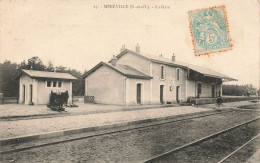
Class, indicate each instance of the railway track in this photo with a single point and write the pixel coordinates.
(242, 146)
(136, 128)
(160, 158)
(150, 124)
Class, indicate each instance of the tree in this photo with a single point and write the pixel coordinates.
(61, 69)
(239, 90)
(36, 64)
(78, 87)
(11, 87)
(8, 86)
(50, 67)
(22, 65)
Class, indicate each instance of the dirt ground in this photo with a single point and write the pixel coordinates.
(134, 145)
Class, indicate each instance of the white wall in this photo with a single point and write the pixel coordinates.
(169, 81)
(26, 81)
(154, 70)
(206, 89)
(137, 62)
(44, 91)
(41, 93)
(106, 85)
(132, 91)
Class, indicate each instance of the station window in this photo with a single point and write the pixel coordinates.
(59, 84)
(54, 83)
(178, 74)
(48, 83)
(162, 72)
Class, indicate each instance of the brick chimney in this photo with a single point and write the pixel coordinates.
(137, 48)
(122, 48)
(173, 57)
(113, 60)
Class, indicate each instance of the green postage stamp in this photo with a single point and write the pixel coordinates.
(209, 30)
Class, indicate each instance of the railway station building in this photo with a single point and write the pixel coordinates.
(133, 78)
(35, 87)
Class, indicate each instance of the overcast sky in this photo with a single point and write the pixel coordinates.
(74, 34)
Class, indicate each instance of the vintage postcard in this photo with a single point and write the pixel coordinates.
(129, 81)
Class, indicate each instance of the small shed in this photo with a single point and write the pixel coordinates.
(35, 87)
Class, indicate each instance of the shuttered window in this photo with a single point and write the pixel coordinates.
(48, 83)
(54, 84)
(178, 74)
(59, 84)
(162, 72)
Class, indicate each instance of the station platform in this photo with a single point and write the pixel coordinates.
(40, 122)
(46, 126)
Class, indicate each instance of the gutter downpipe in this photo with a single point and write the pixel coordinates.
(195, 88)
(151, 83)
(125, 91)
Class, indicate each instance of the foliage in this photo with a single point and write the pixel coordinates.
(78, 86)
(11, 87)
(50, 66)
(8, 86)
(35, 63)
(239, 90)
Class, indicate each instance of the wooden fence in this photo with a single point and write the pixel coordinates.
(224, 99)
(89, 99)
(9, 100)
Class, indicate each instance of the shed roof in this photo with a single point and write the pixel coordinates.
(122, 69)
(46, 74)
(203, 70)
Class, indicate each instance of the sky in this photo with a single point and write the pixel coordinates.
(75, 34)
